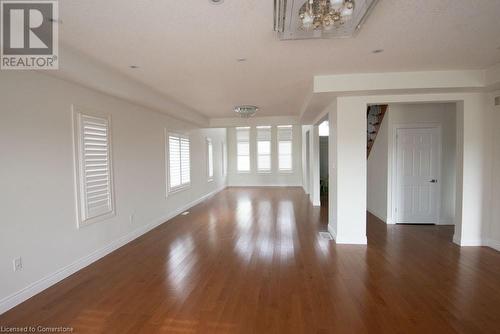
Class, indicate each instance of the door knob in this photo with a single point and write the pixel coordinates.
(433, 181)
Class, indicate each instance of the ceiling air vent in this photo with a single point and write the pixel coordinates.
(306, 19)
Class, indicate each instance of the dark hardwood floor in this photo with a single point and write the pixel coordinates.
(250, 260)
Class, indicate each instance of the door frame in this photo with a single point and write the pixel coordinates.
(308, 161)
(394, 187)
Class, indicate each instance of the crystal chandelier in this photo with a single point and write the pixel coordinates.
(246, 111)
(325, 14)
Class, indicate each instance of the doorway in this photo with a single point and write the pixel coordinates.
(323, 164)
(308, 162)
(412, 165)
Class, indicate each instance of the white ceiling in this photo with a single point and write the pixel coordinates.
(187, 49)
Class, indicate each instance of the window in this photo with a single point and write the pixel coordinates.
(243, 149)
(285, 148)
(179, 164)
(93, 168)
(264, 148)
(223, 156)
(210, 159)
(324, 129)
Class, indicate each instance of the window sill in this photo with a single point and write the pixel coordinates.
(179, 189)
(94, 220)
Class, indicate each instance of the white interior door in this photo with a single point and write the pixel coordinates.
(417, 185)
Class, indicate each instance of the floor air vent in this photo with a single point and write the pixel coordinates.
(325, 235)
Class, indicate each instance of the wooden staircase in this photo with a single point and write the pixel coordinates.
(374, 115)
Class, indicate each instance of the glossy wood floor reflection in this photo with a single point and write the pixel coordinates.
(251, 261)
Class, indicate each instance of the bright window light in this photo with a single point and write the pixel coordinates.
(324, 129)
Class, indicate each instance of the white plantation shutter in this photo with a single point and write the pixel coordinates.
(174, 146)
(285, 135)
(179, 164)
(210, 159)
(243, 149)
(264, 148)
(185, 161)
(94, 170)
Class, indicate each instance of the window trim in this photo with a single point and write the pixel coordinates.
(181, 187)
(249, 171)
(210, 178)
(223, 160)
(77, 114)
(291, 170)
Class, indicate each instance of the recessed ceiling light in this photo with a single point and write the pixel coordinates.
(216, 2)
(378, 51)
(133, 66)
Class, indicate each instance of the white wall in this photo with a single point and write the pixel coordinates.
(306, 160)
(37, 179)
(332, 173)
(347, 186)
(275, 177)
(314, 166)
(381, 157)
(493, 234)
(474, 169)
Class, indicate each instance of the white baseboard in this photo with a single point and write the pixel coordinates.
(351, 241)
(305, 190)
(378, 216)
(495, 244)
(467, 242)
(346, 241)
(36, 287)
(274, 185)
(445, 222)
(332, 231)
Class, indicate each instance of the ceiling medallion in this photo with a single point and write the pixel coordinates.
(325, 14)
(246, 111)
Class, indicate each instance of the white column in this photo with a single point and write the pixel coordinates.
(474, 149)
(332, 169)
(306, 158)
(315, 189)
(348, 179)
